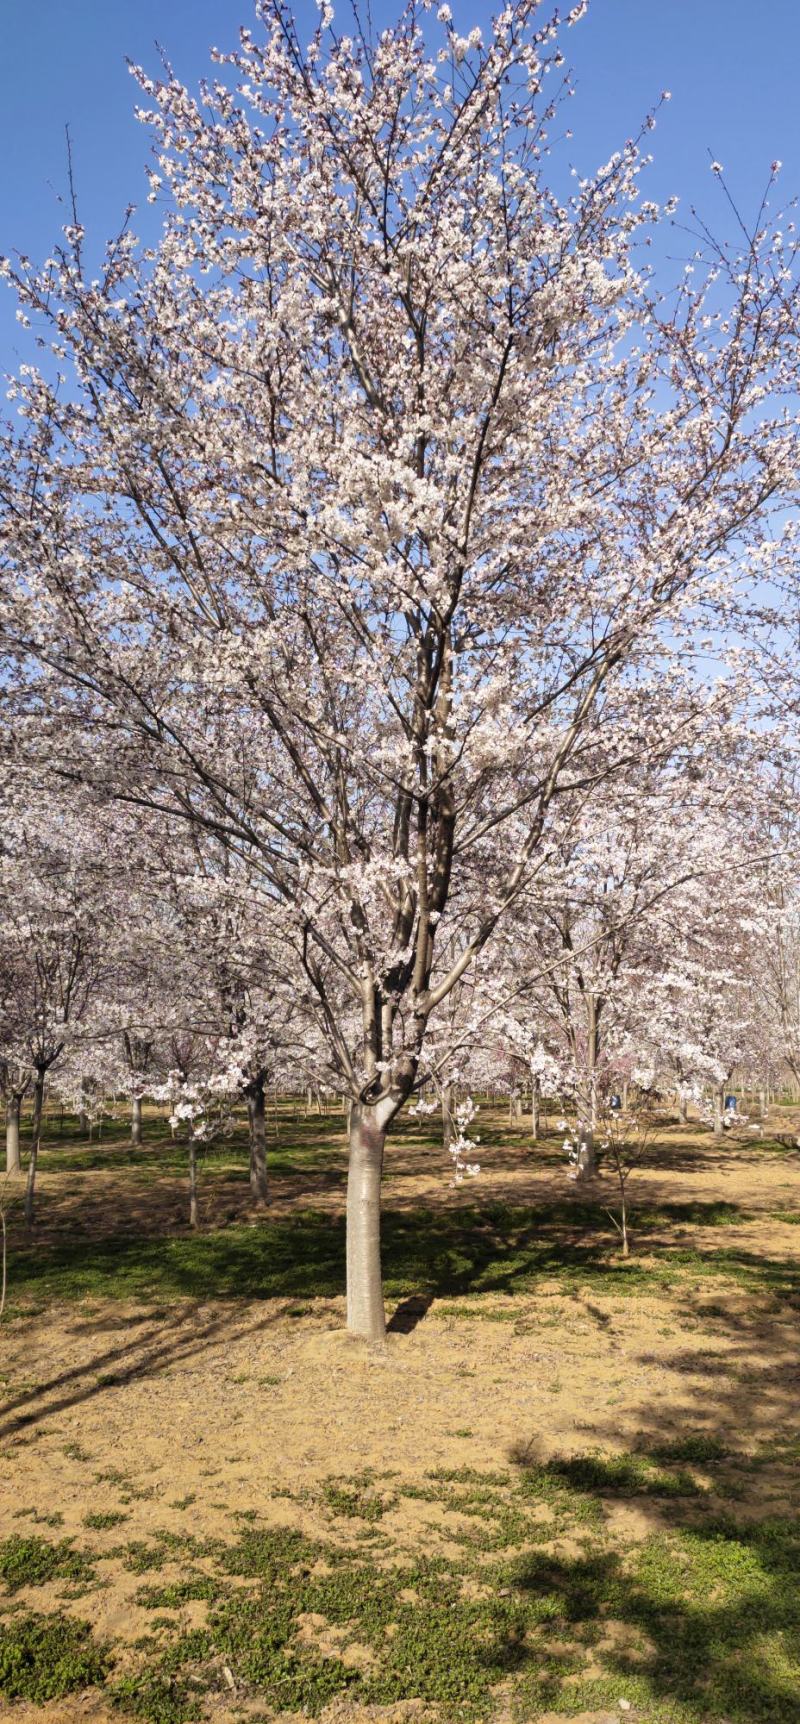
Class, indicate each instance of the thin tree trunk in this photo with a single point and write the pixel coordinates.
(38, 1104)
(447, 1116)
(535, 1109)
(259, 1183)
(136, 1120)
(587, 1155)
(13, 1110)
(30, 1184)
(625, 1246)
(719, 1111)
(192, 1183)
(365, 1313)
(683, 1110)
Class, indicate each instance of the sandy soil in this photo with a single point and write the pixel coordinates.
(182, 1417)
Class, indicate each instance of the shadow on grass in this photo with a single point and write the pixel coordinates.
(444, 1253)
(699, 1621)
(715, 1612)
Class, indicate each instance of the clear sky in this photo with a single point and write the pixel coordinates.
(732, 66)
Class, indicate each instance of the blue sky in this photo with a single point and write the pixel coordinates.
(732, 67)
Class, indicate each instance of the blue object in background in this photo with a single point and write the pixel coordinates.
(730, 1104)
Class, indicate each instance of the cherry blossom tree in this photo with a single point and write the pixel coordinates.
(369, 492)
(50, 957)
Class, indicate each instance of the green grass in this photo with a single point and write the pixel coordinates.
(521, 1571)
(706, 1609)
(156, 1696)
(624, 1475)
(34, 1561)
(354, 1500)
(451, 1253)
(100, 1520)
(45, 1657)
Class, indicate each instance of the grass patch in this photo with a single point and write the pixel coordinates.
(452, 1253)
(696, 1446)
(706, 1616)
(172, 1595)
(45, 1657)
(355, 1501)
(623, 1475)
(34, 1561)
(156, 1696)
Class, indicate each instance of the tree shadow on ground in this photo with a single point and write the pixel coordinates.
(708, 1622)
(447, 1253)
(409, 1313)
(690, 1597)
(171, 1338)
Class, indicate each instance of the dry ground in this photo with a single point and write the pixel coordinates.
(191, 1416)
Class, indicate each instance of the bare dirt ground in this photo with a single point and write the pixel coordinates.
(180, 1418)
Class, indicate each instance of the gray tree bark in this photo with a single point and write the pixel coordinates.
(192, 1183)
(13, 1110)
(136, 1120)
(587, 1155)
(447, 1117)
(38, 1103)
(365, 1312)
(256, 1113)
(30, 1188)
(30, 1183)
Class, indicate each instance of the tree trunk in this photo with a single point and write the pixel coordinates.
(38, 1103)
(83, 1121)
(30, 1188)
(259, 1184)
(136, 1120)
(719, 1111)
(683, 1110)
(625, 1096)
(192, 1183)
(535, 1109)
(13, 1110)
(447, 1116)
(365, 1313)
(587, 1156)
(625, 1245)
